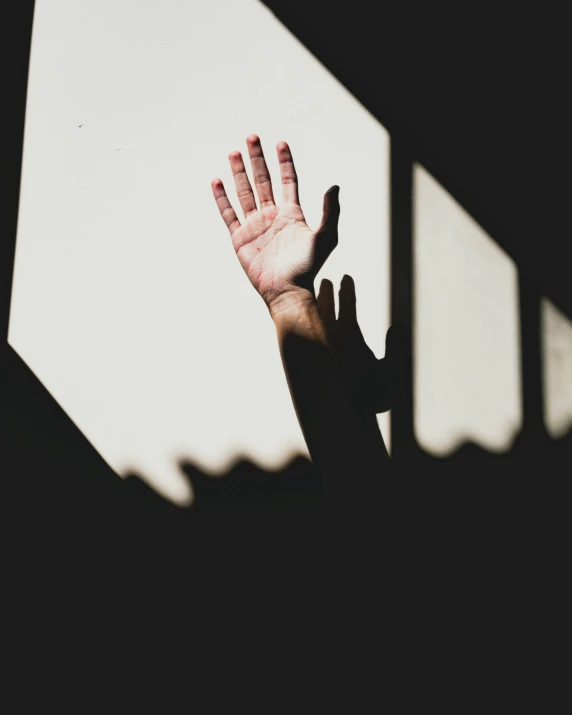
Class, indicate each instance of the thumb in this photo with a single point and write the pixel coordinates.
(331, 211)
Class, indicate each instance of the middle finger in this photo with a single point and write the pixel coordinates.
(260, 171)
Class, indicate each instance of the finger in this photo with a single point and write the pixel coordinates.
(288, 174)
(260, 171)
(330, 211)
(326, 305)
(226, 211)
(347, 298)
(242, 183)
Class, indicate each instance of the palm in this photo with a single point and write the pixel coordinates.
(274, 246)
(277, 249)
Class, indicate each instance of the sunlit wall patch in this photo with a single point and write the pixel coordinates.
(128, 301)
(466, 328)
(556, 336)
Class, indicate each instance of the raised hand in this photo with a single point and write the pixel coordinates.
(279, 252)
(372, 383)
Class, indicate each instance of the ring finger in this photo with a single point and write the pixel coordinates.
(242, 183)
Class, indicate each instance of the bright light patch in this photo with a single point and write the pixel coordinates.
(466, 328)
(556, 369)
(129, 303)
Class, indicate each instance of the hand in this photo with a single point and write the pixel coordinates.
(372, 384)
(280, 254)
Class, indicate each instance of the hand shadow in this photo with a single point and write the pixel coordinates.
(374, 385)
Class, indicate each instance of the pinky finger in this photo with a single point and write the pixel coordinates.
(226, 211)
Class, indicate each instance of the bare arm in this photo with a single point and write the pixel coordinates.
(281, 256)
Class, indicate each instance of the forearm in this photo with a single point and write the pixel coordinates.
(342, 445)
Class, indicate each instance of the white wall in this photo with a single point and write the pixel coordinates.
(467, 362)
(129, 303)
(467, 382)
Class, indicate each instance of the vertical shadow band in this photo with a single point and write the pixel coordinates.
(534, 435)
(401, 260)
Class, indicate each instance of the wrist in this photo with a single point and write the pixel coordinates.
(289, 305)
(300, 318)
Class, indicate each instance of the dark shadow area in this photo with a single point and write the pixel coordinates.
(245, 487)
